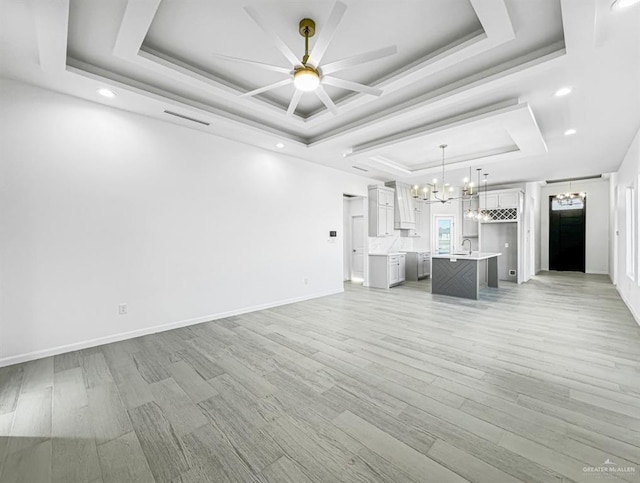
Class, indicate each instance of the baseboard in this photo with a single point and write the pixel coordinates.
(8, 361)
(634, 314)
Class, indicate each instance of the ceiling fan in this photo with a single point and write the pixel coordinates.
(306, 74)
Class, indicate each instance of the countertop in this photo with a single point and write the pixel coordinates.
(390, 254)
(466, 256)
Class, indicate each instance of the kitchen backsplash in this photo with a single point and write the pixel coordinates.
(397, 243)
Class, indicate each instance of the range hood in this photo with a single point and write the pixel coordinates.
(404, 214)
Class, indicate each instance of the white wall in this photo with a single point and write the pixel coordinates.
(627, 175)
(532, 198)
(597, 222)
(99, 206)
(613, 228)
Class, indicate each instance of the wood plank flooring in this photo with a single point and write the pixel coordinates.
(532, 383)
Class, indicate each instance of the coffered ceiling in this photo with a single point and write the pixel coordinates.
(477, 75)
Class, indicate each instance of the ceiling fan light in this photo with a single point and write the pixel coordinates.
(621, 4)
(306, 79)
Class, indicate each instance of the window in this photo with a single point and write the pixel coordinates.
(559, 205)
(630, 231)
(444, 235)
(568, 201)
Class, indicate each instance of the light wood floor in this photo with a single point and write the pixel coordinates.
(532, 383)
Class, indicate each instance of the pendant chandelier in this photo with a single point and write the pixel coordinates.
(478, 214)
(441, 191)
(569, 198)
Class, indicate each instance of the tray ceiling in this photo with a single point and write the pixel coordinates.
(478, 75)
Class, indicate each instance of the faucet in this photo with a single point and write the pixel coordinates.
(467, 240)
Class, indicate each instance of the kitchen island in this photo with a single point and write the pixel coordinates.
(462, 275)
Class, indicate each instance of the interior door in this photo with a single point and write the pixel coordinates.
(567, 235)
(357, 249)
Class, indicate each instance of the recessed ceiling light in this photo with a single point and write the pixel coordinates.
(570, 132)
(620, 4)
(103, 91)
(563, 91)
(280, 145)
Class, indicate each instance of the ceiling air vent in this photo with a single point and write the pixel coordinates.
(360, 169)
(182, 116)
(566, 180)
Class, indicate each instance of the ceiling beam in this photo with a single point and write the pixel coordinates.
(52, 23)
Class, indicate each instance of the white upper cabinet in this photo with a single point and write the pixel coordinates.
(499, 200)
(381, 211)
(418, 207)
(508, 200)
(386, 197)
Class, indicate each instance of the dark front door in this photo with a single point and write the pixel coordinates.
(566, 235)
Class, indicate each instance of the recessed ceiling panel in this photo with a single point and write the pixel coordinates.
(193, 31)
(424, 152)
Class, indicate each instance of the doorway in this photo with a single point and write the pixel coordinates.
(567, 234)
(355, 238)
(357, 247)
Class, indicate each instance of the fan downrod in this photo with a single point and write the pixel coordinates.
(307, 27)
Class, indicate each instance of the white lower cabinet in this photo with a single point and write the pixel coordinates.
(386, 270)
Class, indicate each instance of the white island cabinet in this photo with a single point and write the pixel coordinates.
(386, 269)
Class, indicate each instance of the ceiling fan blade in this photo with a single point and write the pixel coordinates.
(326, 100)
(274, 68)
(280, 45)
(351, 86)
(326, 33)
(358, 59)
(267, 88)
(294, 102)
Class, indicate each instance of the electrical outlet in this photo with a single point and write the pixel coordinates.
(122, 309)
(506, 245)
